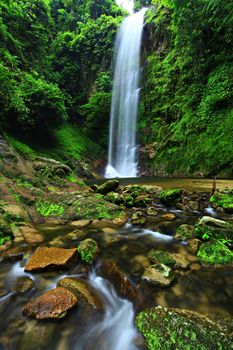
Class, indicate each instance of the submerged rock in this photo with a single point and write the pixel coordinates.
(108, 186)
(23, 284)
(84, 292)
(80, 223)
(35, 332)
(50, 258)
(159, 275)
(28, 232)
(166, 329)
(53, 304)
(88, 250)
(214, 253)
(14, 254)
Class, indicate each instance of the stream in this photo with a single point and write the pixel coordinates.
(206, 290)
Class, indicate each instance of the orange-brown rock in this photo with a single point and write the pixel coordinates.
(168, 217)
(53, 304)
(50, 258)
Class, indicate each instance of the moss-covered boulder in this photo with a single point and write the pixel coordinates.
(214, 253)
(166, 329)
(174, 261)
(171, 196)
(108, 186)
(5, 231)
(88, 250)
(114, 197)
(159, 275)
(129, 201)
(223, 200)
(94, 207)
(184, 232)
(210, 228)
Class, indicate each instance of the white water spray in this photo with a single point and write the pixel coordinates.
(122, 154)
(117, 325)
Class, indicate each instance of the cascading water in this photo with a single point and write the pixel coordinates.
(117, 326)
(122, 154)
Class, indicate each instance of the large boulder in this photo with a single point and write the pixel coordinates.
(88, 250)
(53, 304)
(159, 275)
(214, 253)
(210, 228)
(50, 258)
(84, 292)
(171, 196)
(166, 329)
(108, 186)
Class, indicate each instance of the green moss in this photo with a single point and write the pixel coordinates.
(159, 256)
(88, 250)
(74, 179)
(215, 252)
(23, 149)
(165, 329)
(5, 232)
(46, 208)
(223, 200)
(171, 196)
(129, 201)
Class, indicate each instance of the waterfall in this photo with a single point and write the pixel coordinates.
(122, 154)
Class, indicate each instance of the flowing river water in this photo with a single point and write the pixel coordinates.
(207, 290)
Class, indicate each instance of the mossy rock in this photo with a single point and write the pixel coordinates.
(5, 232)
(88, 250)
(114, 197)
(208, 228)
(166, 329)
(165, 258)
(171, 196)
(159, 256)
(159, 275)
(223, 200)
(214, 253)
(108, 186)
(129, 201)
(184, 232)
(138, 218)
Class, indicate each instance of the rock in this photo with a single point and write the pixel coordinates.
(28, 232)
(142, 201)
(53, 304)
(184, 232)
(114, 197)
(171, 196)
(129, 201)
(138, 218)
(94, 207)
(75, 235)
(194, 205)
(194, 244)
(223, 200)
(214, 253)
(174, 261)
(3, 292)
(50, 258)
(168, 217)
(23, 284)
(186, 330)
(159, 275)
(80, 223)
(55, 167)
(84, 292)
(14, 254)
(151, 211)
(120, 281)
(109, 186)
(35, 332)
(88, 250)
(211, 228)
